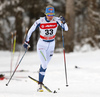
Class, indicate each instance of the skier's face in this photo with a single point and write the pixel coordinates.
(49, 17)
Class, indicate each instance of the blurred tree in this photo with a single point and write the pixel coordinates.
(93, 12)
(34, 9)
(70, 17)
(87, 20)
(3, 19)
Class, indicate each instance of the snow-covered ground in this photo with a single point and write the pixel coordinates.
(83, 81)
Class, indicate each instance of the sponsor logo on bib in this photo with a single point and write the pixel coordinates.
(48, 25)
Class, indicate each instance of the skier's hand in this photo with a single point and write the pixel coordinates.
(62, 19)
(26, 45)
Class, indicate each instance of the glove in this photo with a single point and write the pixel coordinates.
(62, 19)
(26, 45)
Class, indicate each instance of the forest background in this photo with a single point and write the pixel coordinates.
(82, 17)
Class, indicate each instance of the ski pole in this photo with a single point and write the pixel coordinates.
(16, 67)
(11, 53)
(22, 45)
(13, 44)
(64, 58)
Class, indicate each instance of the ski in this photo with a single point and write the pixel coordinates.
(17, 77)
(44, 86)
(2, 77)
(13, 71)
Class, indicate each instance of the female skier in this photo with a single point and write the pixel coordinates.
(46, 43)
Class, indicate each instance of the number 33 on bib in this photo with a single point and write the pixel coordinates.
(48, 30)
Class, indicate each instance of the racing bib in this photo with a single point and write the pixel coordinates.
(48, 29)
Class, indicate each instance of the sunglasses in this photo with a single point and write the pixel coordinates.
(50, 14)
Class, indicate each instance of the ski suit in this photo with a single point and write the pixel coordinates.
(46, 42)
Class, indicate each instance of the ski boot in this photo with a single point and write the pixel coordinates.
(40, 87)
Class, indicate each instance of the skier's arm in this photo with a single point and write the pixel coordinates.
(32, 29)
(62, 23)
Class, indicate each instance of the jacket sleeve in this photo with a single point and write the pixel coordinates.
(63, 26)
(32, 29)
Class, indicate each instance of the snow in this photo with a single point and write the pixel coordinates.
(83, 81)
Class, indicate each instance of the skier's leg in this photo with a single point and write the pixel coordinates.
(41, 49)
(45, 56)
(50, 51)
(41, 74)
